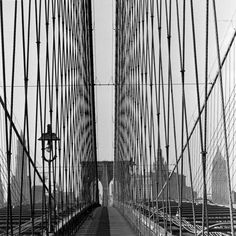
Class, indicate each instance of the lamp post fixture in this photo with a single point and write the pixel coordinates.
(50, 138)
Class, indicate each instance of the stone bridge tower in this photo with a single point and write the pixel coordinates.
(105, 175)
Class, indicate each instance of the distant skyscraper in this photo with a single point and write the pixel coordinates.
(219, 179)
(22, 162)
(1, 189)
(159, 178)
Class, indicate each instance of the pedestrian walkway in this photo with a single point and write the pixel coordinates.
(105, 221)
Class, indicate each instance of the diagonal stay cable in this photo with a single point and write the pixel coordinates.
(224, 120)
(202, 108)
(22, 142)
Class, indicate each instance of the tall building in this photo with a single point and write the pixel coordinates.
(159, 178)
(21, 173)
(38, 193)
(1, 189)
(219, 179)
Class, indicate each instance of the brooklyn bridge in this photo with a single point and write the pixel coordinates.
(169, 166)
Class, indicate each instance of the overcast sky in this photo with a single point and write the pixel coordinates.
(103, 32)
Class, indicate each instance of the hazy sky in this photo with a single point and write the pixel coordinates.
(103, 32)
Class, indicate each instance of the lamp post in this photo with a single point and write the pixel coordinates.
(50, 138)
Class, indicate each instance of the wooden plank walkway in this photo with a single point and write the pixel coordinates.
(105, 221)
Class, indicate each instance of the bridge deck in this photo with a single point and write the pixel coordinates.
(105, 221)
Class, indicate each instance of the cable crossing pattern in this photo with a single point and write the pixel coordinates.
(48, 165)
(174, 126)
(174, 170)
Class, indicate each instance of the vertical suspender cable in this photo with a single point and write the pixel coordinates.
(224, 120)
